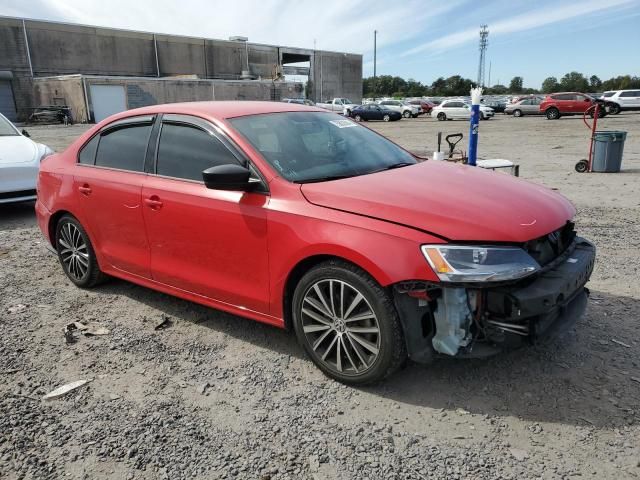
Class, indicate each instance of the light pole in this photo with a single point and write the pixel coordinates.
(375, 35)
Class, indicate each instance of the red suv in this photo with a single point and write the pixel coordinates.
(302, 219)
(568, 103)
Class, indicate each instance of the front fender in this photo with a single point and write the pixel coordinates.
(389, 253)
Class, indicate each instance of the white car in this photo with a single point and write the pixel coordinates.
(19, 163)
(617, 101)
(459, 109)
(405, 108)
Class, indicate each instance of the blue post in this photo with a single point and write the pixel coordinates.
(473, 128)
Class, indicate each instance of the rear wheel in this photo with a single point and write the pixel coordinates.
(347, 324)
(553, 114)
(76, 254)
(442, 116)
(406, 114)
(517, 113)
(386, 118)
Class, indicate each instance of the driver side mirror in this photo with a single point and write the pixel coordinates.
(228, 177)
(25, 133)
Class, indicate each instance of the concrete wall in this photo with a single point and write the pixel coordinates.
(142, 92)
(63, 49)
(337, 75)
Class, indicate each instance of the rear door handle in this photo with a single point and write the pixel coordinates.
(85, 190)
(153, 202)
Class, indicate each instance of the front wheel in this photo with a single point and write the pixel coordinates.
(517, 113)
(386, 118)
(347, 324)
(358, 118)
(442, 116)
(613, 108)
(76, 254)
(406, 114)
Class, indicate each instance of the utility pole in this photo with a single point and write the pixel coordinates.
(489, 82)
(375, 34)
(484, 33)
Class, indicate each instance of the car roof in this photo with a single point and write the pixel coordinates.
(218, 109)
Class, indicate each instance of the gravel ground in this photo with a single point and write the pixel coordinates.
(216, 396)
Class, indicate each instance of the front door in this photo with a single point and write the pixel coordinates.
(108, 184)
(209, 242)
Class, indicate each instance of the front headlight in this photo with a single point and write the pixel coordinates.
(461, 263)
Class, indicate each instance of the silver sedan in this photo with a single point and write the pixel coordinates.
(524, 106)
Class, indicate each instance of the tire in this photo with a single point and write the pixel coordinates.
(601, 113)
(79, 261)
(613, 108)
(517, 113)
(582, 166)
(386, 118)
(442, 116)
(414, 116)
(406, 114)
(348, 113)
(552, 114)
(358, 118)
(327, 295)
(482, 116)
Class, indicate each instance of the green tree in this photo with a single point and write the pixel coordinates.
(496, 90)
(550, 85)
(515, 86)
(574, 82)
(595, 83)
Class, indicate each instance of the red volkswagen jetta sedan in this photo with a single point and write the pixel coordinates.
(300, 218)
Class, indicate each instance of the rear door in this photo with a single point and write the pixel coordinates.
(108, 182)
(209, 242)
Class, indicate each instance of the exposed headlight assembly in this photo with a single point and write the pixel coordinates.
(468, 263)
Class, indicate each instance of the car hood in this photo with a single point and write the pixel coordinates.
(457, 202)
(16, 149)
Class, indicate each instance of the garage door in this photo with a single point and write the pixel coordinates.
(7, 106)
(107, 100)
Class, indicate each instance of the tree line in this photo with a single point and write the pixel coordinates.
(393, 86)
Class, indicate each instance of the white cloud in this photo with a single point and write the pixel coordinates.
(526, 21)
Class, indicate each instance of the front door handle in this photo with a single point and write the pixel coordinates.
(85, 190)
(153, 202)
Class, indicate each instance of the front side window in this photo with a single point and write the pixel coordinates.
(628, 94)
(317, 146)
(124, 147)
(185, 151)
(6, 128)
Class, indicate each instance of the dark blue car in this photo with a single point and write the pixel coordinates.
(374, 112)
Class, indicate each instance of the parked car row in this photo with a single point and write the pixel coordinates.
(617, 101)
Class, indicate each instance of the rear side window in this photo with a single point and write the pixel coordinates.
(124, 147)
(88, 153)
(630, 93)
(185, 151)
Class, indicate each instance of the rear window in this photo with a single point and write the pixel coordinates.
(124, 148)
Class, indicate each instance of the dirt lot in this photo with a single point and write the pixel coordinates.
(216, 396)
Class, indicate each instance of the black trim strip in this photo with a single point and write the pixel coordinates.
(18, 194)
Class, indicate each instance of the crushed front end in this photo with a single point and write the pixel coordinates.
(485, 315)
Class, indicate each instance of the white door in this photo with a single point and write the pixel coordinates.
(107, 100)
(630, 99)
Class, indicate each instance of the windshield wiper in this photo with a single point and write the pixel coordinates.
(392, 166)
(327, 178)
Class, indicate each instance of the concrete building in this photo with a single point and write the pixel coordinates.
(100, 70)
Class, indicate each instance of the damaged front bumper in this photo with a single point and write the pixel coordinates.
(479, 321)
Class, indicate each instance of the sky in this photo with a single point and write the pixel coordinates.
(419, 39)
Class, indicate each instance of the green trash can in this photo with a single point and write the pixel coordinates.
(607, 151)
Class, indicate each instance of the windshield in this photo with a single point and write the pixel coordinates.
(346, 100)
(608, 94)
(7, 128)
(316, 146)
